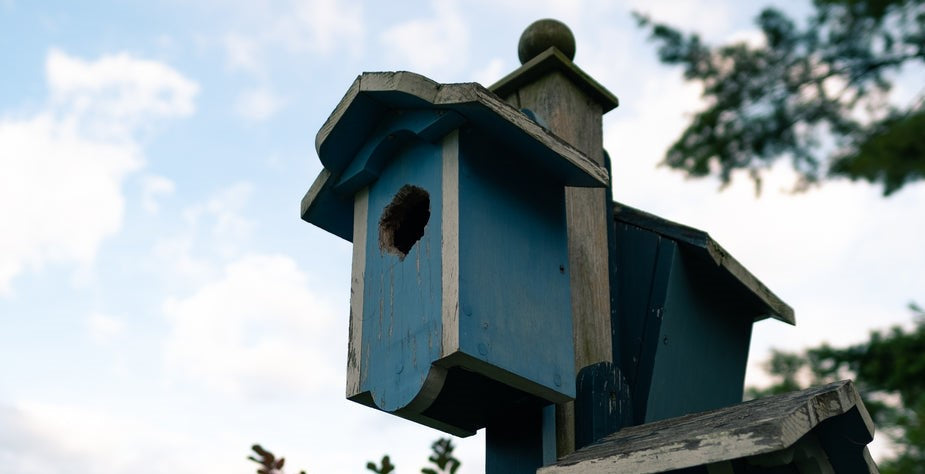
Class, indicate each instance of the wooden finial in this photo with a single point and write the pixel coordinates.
(543, 34)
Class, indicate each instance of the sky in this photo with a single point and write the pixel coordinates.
(162, 305)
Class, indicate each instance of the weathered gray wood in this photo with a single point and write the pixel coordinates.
(450, 244)
(756, 428)
(376, 94)
(701, 241)
(314, 191)
(554, 60)
(355, 331)
(414, 89)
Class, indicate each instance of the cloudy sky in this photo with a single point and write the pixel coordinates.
(163, 307)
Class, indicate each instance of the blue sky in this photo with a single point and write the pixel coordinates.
(162, 306)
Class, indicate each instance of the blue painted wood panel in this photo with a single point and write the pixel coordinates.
(683, 340)
(402, 297)
(636, 257)
(702, 345)
(515, 310)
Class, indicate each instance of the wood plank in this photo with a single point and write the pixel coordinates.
(357, 277)
(757, 427)
(405, 89)
(450, 244)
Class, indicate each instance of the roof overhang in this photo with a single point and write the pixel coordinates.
(381, 106)
(710, 255)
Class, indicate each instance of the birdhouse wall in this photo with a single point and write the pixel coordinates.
(702, 346)
(460, 285)
(682, 341)
(514, 297)
(399, 334)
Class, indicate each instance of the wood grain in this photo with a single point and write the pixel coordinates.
(754, 428)
(357, 277)
(450, 244)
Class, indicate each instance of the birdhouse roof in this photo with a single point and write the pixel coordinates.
(382, 105)
(767, 428)
(716, 264)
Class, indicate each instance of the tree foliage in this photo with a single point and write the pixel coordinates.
(813, 92)
(889, 372)
(385, 466)
(268, 462)
(442, 459)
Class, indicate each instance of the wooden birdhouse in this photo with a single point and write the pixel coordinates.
(454, 201)
(685, 308)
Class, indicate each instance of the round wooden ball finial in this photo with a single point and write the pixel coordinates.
(542, 34)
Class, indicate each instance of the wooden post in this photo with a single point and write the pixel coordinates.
(569, 103)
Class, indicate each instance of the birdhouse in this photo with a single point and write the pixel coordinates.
(686, 309)
(454, 201)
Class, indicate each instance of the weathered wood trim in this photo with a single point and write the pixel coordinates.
(589, 275)
(337, 114)
(400, 88)
(778, 309)
(753, 428)
(701, 242)
(550, 140)
(357, 276)
(314, 191)
(450, 244)
(392, 134)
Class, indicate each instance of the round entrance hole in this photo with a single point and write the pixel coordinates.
(403, 220)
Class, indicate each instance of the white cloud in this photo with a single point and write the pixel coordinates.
(491, 73)
(103, 328)
(432, 45)
(255, 331)
(117, 92)
(319, 25)
(257, 104)
(61, 170)
(297, 26)
(60, 193)
(224, 207)
(41, 437)
(152, 187)
(215, 230)
(241, 53)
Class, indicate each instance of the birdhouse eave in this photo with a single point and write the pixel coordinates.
(715, 259)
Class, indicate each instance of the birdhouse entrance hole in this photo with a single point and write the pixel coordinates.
(403, 220)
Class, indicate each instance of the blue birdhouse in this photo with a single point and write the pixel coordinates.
(454, 201)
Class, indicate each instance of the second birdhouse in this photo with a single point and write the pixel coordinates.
(454, 202)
